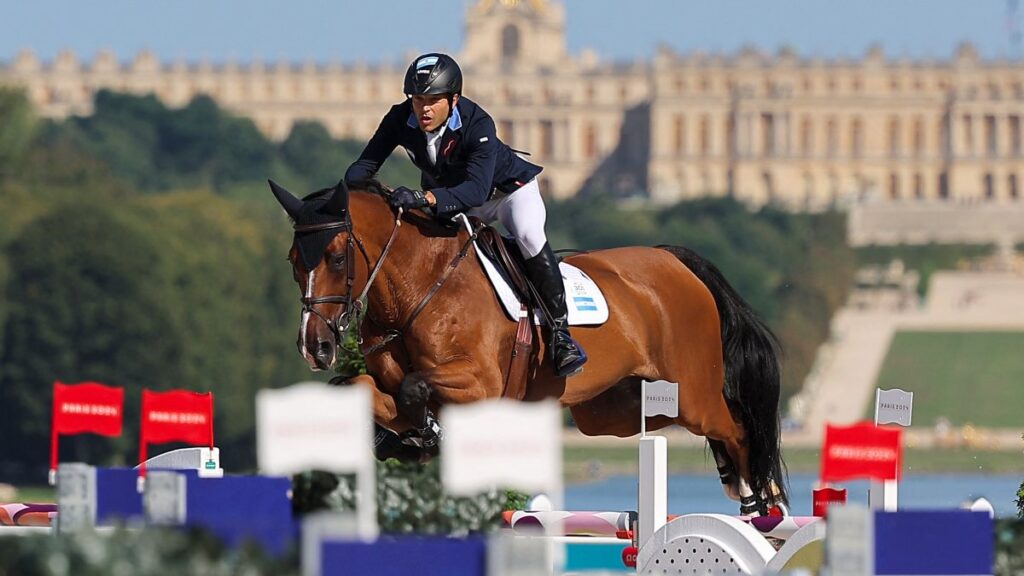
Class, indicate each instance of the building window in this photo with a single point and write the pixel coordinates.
(510, 42)
(943, 131)
(856, 138)
(990, 187)
(919, 137)
(894, 137)
(590, 141)
(679, 135)
(547, 139)
(894, 186)
(991, 139)
(1014, 122)
(806, 137)
(768, 134)
(943, 186)
(968, 125)
(506, 131)
(730, 135)
(832, 137)
(918, 186)
(680, 84)
(705, 135)
(1011, 186)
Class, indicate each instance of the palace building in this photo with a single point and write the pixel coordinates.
(805, 133)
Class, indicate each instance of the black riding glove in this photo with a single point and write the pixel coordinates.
(408, 199)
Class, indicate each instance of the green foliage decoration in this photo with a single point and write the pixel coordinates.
(410, 500)
(133, 552)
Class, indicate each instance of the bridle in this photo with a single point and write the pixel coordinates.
(351, 308)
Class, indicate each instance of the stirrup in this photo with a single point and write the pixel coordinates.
(572, 368)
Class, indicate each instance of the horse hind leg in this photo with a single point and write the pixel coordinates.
(728, 442)
(727, 473)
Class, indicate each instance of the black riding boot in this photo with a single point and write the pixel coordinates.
(565, 352)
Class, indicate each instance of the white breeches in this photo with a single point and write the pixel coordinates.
(522, 213)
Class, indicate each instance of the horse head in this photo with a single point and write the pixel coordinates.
(324, 266)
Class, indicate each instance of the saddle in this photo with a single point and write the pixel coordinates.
(509, 262)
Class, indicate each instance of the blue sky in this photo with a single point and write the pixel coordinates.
(375, 30)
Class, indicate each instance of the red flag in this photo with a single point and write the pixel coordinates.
(861, 451)
(176, 416)
(85, 407)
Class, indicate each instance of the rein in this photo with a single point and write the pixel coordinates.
(434, 289)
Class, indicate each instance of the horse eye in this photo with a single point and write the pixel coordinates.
(337, 261)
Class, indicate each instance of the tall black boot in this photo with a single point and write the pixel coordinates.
(566, 353)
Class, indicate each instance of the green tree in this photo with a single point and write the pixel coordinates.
(17, 128)
(225, 275)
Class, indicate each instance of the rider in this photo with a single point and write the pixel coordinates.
(466, 168)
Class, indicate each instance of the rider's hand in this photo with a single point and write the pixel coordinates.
(408, 199)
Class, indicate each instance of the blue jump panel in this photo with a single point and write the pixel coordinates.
(117, 496)
(241, 508)
(936, 542)
(405, 556)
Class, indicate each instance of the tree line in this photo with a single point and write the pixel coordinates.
(139, 247)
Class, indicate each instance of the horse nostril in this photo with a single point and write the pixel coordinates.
(324, 350)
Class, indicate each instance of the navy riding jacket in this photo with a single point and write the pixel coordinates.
(471, 161)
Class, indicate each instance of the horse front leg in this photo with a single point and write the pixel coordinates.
(455, 382)
(389, 425)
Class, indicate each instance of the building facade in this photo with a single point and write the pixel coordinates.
(801, 132)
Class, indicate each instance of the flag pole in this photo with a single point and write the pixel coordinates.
(643, 408)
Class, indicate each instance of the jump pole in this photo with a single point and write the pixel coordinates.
(652, 509)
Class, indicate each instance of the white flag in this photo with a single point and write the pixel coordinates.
(661, 397)
(502, 444)
(893, 406)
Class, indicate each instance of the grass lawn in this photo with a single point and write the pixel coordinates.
(968, 377)
(36, 494)
(584, 463)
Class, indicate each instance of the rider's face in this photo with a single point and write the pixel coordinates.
(432, 111)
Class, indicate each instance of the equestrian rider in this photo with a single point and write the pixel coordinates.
(466, 168)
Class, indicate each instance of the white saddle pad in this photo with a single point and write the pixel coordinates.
(584, 300)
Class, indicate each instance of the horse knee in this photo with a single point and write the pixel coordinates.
(413, 392)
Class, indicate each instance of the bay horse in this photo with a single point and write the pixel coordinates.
(435, 334)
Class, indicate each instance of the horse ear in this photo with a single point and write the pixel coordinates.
(292, 205)
(338, 204)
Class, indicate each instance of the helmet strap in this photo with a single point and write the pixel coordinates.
(451, 107)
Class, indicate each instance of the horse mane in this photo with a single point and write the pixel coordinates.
(427, 226)
(371, 185)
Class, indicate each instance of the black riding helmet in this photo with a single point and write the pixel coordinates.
(433, 74)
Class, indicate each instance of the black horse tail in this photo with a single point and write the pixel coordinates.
(752, 384)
